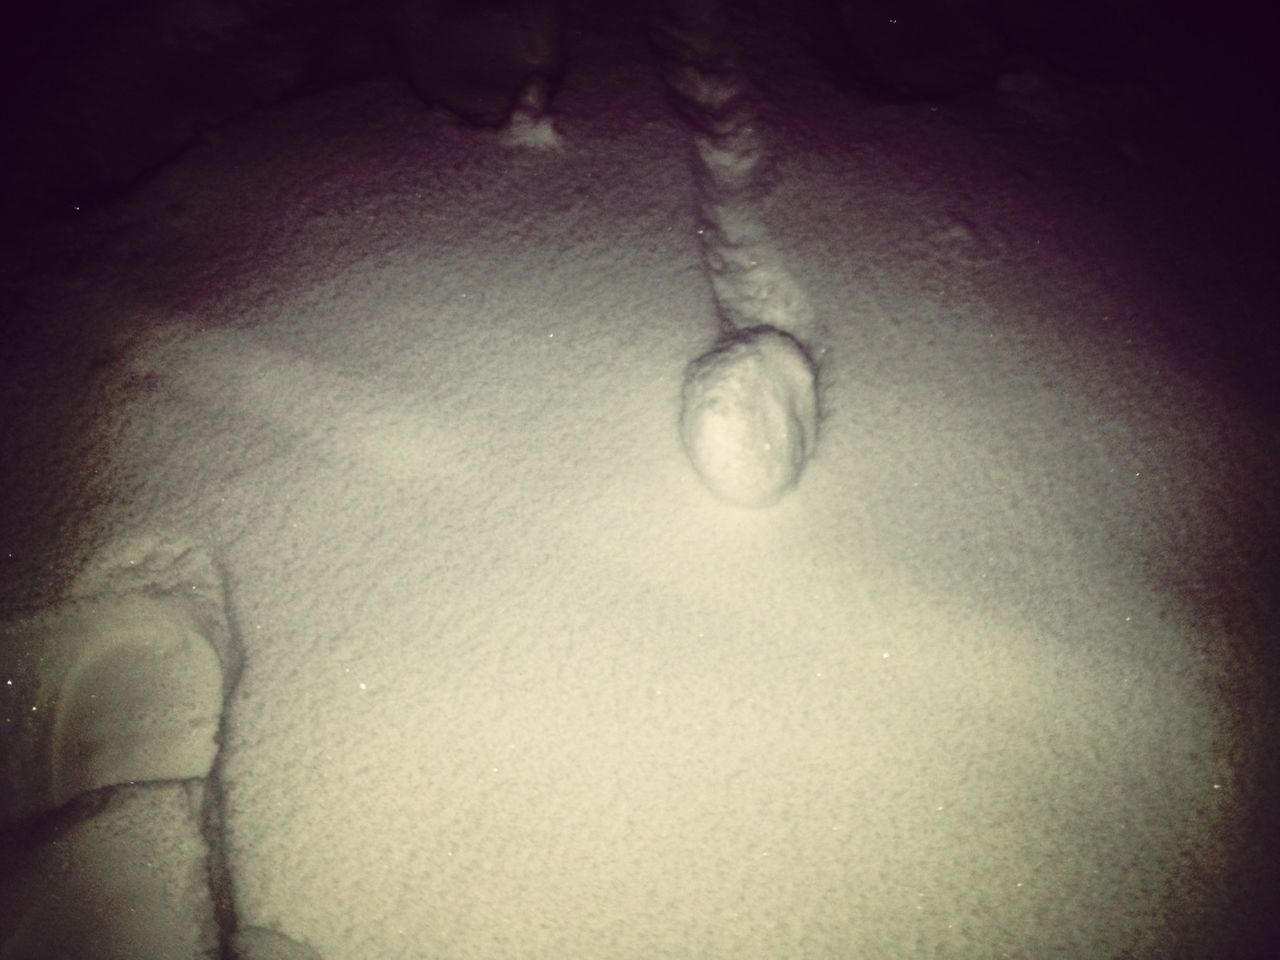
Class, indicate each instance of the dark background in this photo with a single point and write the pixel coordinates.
(93, 93)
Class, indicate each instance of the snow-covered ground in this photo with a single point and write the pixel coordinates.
(516, 685)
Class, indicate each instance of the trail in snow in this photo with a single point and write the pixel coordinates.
(749, 407)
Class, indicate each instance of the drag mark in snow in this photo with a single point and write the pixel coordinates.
(749, 405)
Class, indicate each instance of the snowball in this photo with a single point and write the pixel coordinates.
(749, 419)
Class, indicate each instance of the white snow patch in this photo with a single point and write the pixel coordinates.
(749, 420)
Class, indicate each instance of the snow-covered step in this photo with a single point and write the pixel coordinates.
(123, 682)
(128, 883)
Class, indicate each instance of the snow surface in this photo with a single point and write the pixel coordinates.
(516, 685)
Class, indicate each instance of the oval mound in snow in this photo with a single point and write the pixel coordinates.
(749, 416)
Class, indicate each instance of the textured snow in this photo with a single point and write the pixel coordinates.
(126, 883)
(122, 682)
(749, 416)
(516, 685)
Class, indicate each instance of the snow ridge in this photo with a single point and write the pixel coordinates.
(749, 405)
(733, 172)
